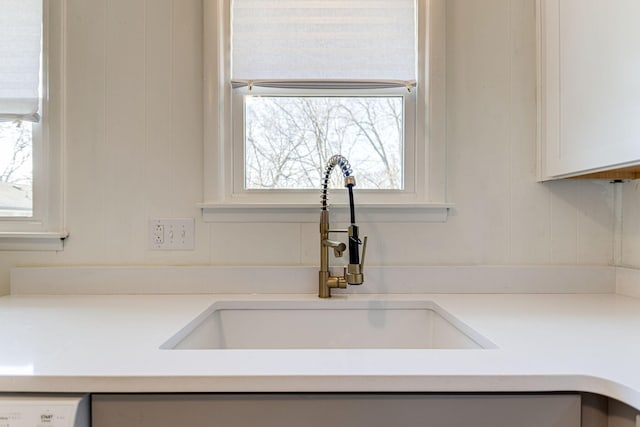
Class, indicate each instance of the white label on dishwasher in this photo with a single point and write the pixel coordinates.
(34, 414)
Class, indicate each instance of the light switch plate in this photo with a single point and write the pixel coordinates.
(172, 234)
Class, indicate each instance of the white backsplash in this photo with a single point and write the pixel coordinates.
(134, 152)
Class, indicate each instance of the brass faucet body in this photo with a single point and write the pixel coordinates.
(352, 274)
(325, 279)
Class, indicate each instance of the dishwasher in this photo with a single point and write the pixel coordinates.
(44, 410)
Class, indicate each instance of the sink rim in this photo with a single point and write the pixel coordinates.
(335, 304)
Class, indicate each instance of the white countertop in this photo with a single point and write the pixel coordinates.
(110, 343)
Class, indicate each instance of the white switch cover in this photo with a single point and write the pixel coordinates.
(172, 234)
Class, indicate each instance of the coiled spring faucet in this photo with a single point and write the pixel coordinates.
(353, 273)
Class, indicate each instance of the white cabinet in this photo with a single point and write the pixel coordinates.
(588, 86)
(336, 410)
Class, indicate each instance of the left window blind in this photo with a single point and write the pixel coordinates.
(20, 51)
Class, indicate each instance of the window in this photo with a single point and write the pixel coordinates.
(30, 184)
(290, 83)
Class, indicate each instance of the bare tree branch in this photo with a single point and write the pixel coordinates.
(20, 153)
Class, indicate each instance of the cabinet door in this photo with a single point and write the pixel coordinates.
(621, 415)
(336, 410)
(589, 85)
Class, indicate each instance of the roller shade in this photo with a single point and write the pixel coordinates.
(20, 46)
(336, 43)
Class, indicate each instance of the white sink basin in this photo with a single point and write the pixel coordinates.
(326, 325)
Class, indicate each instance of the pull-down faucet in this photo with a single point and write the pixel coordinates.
(353, 273)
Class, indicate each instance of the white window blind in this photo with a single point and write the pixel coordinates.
(20, 44)
(294, 43)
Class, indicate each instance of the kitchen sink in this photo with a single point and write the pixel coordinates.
(326, 325)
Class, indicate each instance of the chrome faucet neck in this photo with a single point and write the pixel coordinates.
(345, 167)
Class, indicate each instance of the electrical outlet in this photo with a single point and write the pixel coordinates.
(171, 234)
(157, 234)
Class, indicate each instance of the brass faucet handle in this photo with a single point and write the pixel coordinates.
(336, 282)
(364, 253)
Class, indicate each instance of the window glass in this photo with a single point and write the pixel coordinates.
(288, 140)
(16, 169)
(20, 75)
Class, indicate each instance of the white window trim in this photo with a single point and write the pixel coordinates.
(427, 201)
(241, 195)
(45, 230)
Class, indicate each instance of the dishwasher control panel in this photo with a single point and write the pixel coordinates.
(22, 410)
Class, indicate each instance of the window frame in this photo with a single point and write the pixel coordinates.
(423, 198)
(237, 145)
(44, 230)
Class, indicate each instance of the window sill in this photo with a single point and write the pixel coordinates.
(306, 212)
(32, 241)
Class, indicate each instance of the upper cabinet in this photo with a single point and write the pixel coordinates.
(589, 88)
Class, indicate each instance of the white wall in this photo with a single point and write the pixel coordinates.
(631, 224)
(134, 151)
